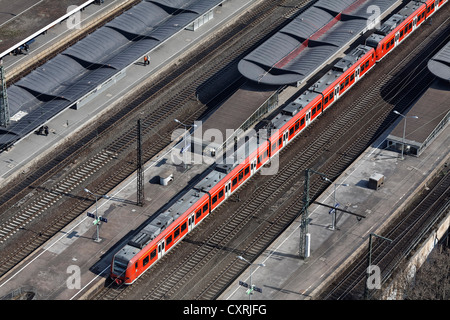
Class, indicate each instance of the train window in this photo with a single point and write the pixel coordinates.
(280, 141)
(347, 81)
(265, 154)
(331, 95)
(183, 227)
(297, 125)
(325, 101)
(388, 45)
(220, 193)
(352, 77)
(153, 254)
(313, 111)
(214, 199)
(205, 208)
(410, 26)
(247, 171)
(241, 175)
(176, 233)
(259, 159)
(401, 33)
(274, 146)
(392, 42)
(291, 131)
(145, 261)
(234, 182)
(367, 63)
(168, 240)
(342, 87)
(136, 265)
(198, 214)
(319, 106)
(302, 121)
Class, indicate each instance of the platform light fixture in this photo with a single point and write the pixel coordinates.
(335, 204)
(251, 288)
(96, 217)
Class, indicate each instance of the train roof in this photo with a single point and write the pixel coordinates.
(80, 69)
(393, 22)
(339, 68)
(439, 64)
(299, 49)
(159, 222)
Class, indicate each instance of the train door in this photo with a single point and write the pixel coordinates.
(308, 117)
(285, 137)
(191, 223)
(253, 166)
(397, 37)
(414, 22)
(336, 93)
(161, 249)
(357, 74)
(227, 189)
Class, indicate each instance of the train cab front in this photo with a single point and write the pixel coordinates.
(119, 271)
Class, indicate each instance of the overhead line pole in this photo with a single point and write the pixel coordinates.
(140, 171)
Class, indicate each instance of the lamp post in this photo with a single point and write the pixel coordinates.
(404, 128)
(251, 264)
(96, 221)
(335, 204)
(185, 138)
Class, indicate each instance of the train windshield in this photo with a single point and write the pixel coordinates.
(119, 267)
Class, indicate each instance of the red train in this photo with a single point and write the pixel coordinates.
(169, 227)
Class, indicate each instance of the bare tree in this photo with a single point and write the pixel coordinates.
(432, 281)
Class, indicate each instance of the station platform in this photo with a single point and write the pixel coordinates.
(73, 251)
(286, 276)
(66, 124)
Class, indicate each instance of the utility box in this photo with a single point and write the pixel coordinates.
(376, 181)
(165, 177)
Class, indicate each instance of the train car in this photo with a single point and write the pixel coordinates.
(397, 28)
(171, 225)
(433, 6)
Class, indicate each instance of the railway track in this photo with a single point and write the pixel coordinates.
(272, 206)
(62, 177)
(405, 235)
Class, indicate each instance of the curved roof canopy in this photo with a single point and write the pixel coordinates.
(439, 65)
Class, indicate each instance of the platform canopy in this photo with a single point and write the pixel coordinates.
(439, 65)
